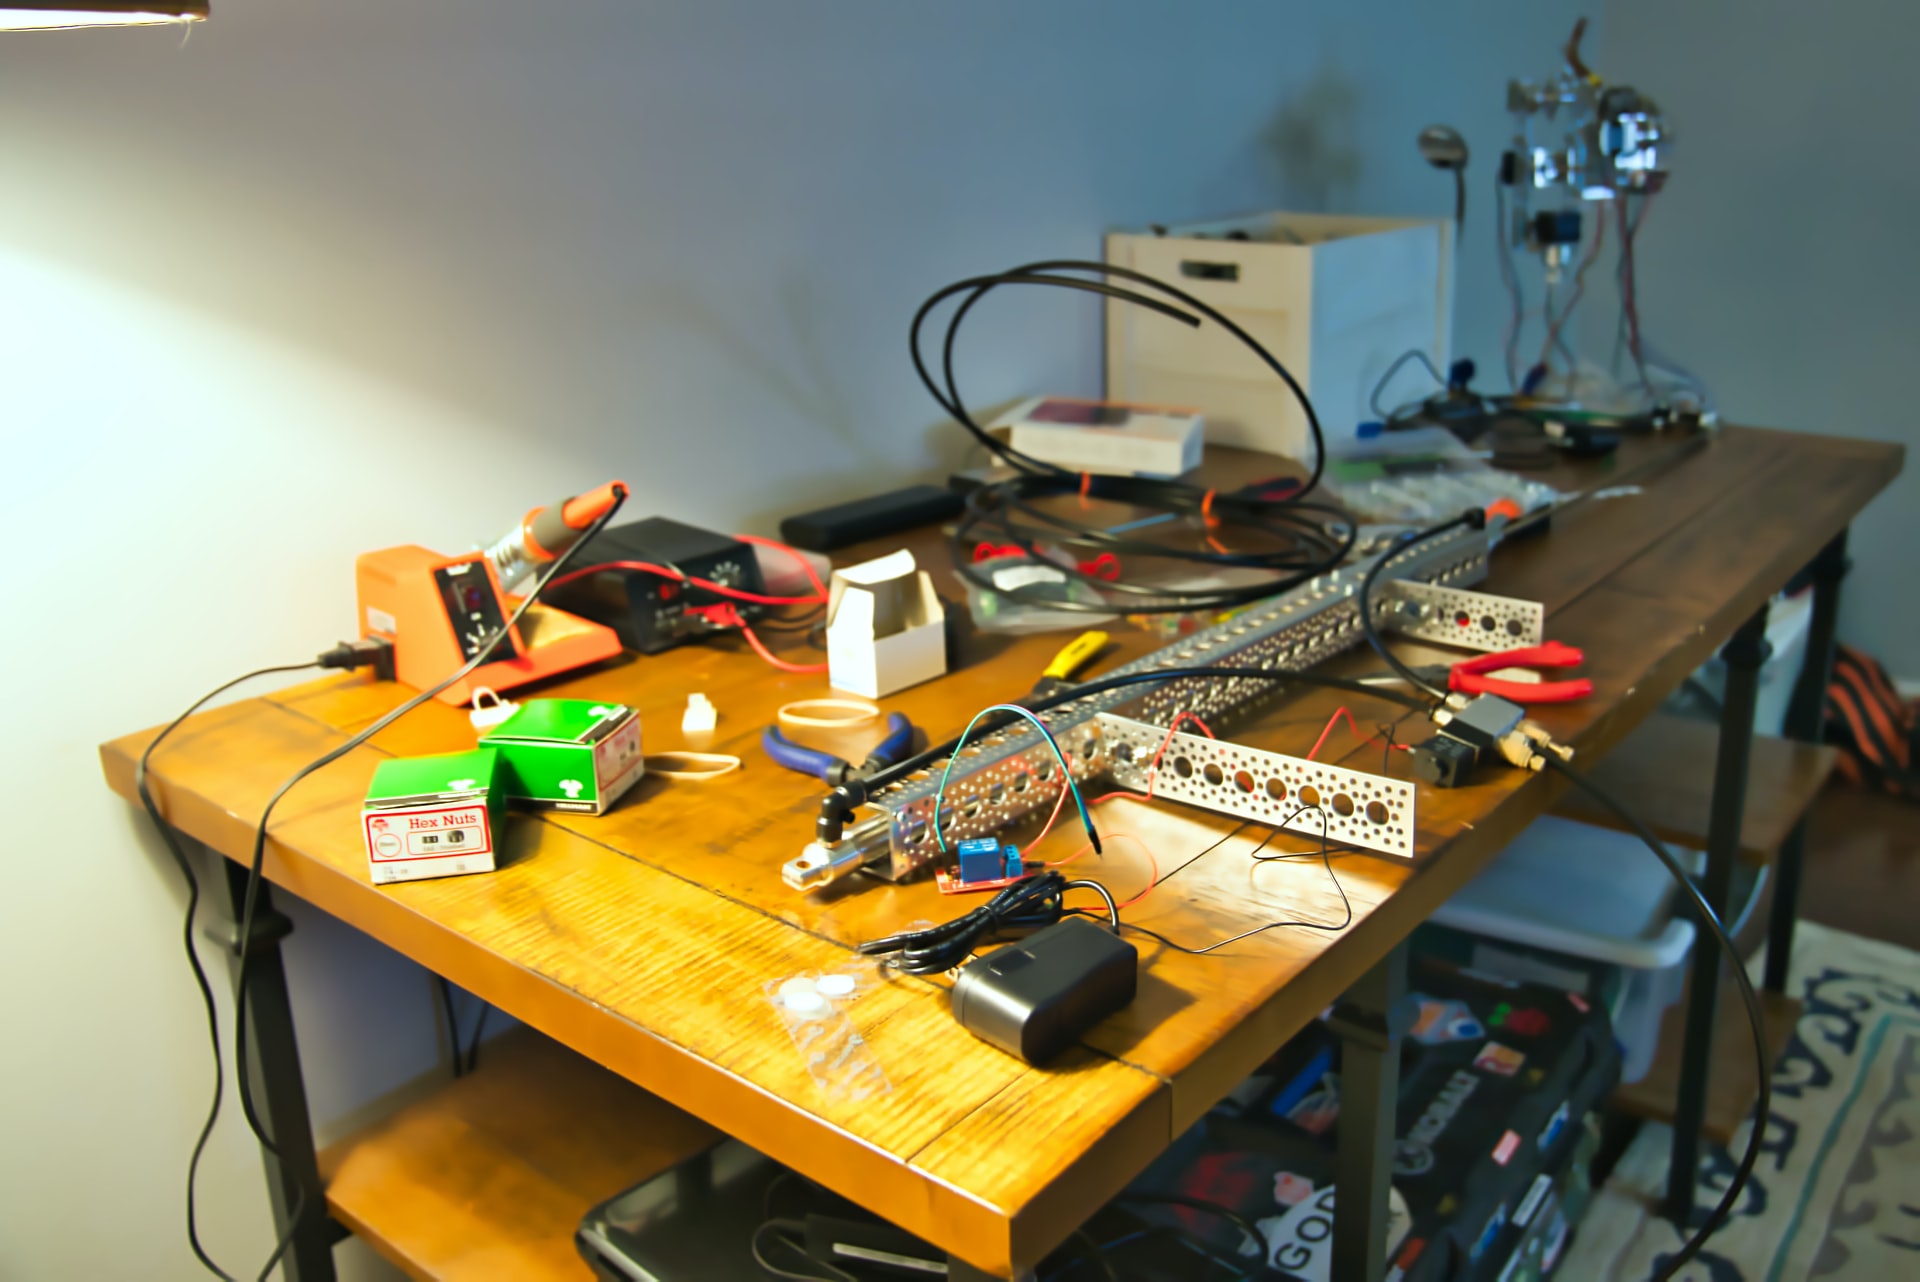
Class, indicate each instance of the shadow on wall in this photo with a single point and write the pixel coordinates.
(1309, 143)
(806, 386)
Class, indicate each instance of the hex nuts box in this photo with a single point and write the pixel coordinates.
(568, 754)
(433, 816)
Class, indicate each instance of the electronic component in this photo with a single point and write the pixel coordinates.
(1555, 227)
(1466, 734)
(440, 612)
(1473, 729)
(870, 518)
(1034, 998)
(473, 605)
(1577, 135)
(653, 611)
(1613, 138)
(985, 859)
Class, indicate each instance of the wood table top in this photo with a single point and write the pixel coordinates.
(646, 938)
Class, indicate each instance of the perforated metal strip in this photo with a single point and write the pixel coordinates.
(1361, 809)
(1469, 620)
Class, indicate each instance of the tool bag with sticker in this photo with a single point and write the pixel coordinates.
(1496, 1079)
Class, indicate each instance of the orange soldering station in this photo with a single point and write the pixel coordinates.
(438, 611)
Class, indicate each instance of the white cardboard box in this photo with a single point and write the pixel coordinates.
(1111, 438)
(886, 628)
(1335, 298)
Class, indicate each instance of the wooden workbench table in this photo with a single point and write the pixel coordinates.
(644, 938)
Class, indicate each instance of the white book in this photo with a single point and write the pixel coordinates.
(1111, 438)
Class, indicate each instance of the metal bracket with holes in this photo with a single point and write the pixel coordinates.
(1003, 776)
(1470, 620)
(1369, 811)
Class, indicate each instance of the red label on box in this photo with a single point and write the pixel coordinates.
(451, 832)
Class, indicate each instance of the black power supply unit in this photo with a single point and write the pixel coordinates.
(654, 612)
(1034, 998)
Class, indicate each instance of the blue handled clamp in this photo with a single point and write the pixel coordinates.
(832, 770)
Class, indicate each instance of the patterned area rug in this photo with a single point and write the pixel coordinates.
(1836, 1193)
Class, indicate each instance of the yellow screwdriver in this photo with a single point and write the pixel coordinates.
(1073, 656)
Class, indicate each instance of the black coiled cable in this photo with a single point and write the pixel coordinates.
(1025, 905)
(1302, 539)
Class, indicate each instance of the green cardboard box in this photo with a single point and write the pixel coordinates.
(433, 816)
(568, 754)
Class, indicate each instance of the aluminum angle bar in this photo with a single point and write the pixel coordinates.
(1470, 620)
(1360, 809)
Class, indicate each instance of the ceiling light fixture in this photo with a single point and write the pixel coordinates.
(63, 15)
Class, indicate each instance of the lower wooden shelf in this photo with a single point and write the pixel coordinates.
(1663, 771)
(489, 1177)
(1731, 1084)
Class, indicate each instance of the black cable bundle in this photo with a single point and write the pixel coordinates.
(1029, 904)
(1308, 538)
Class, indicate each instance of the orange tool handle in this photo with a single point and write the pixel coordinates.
(582, 510)
(546, 532)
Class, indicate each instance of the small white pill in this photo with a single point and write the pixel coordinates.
(835, 985)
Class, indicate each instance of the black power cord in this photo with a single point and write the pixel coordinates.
(185, 865)
(464, 1061)
(1254, 1236)
(255, 868)
(1311, 538)
(345, 655)
(1025, 905)
(1763, 1107)
(792, 1234)
(453, 1024)
(1326, 858)
(473, 1039)
(1474, 517)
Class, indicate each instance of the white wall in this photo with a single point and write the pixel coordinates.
(1779, 264)
(330, 277)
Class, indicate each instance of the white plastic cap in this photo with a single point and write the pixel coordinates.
(700, 716)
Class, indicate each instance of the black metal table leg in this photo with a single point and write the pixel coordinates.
(280, 1092)
(1744, 655)
(1370, 1020)
(1806, 720)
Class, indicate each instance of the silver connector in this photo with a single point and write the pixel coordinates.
(511, 560)
(820, 864)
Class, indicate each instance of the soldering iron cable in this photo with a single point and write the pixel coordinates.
(255, 868)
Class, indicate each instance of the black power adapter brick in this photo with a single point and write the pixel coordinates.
(1034, 998)
(871, 518)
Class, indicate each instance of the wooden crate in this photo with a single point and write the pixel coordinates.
(1335, 298)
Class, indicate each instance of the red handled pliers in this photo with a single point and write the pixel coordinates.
(1471, 676)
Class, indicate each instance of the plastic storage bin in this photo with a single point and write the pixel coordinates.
(1789, 623)
(1582, 908)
